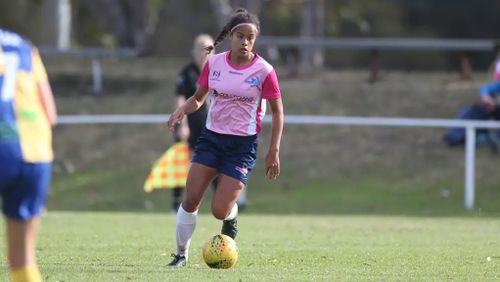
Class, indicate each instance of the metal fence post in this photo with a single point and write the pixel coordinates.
(470, 151)
(96, 76)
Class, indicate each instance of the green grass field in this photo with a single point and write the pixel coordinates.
(136, 247)
(352, 203)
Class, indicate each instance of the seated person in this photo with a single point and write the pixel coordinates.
(487, 108)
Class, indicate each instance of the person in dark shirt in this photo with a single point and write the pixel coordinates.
(186, 84)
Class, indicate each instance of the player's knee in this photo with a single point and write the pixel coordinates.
(190, 205)
(219, 212)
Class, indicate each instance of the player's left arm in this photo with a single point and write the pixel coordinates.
(272, 158)
(44, 89)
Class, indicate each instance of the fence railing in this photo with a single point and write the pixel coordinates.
(96, 54)
(401, 44)
(382, 43)
(469, 125)
(375, 45)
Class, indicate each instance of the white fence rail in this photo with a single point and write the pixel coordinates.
(470, 127)
(381, 43)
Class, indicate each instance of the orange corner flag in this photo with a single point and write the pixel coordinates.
(171, 170)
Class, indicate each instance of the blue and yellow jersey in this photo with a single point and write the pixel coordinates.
(25, 132)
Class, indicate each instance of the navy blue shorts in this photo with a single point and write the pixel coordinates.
(231, 155)
(23, 188)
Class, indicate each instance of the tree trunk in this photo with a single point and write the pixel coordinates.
(313, 17)
(253, 6)
(127, 20)
(56, 23)
(222, 10)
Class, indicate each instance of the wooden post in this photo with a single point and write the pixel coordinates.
(466, 70)
(374, 65)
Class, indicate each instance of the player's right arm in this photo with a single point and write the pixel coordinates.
(191, 105)
(194, 102)
(181, 100)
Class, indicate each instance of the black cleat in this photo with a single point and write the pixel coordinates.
(178, 261)
(230, 228)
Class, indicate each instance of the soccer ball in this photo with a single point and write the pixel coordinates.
(220, 252)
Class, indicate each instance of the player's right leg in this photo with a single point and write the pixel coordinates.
(199, 178)
(23, 200)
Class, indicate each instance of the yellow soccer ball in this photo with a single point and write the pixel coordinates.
(220, 252)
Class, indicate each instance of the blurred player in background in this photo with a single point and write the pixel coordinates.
(27, 114)
(192, 125)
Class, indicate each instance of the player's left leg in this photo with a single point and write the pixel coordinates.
(21, 239)
(224, 205)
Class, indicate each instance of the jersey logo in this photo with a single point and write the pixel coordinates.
(254, 81)
(215, 75)
(235, 72)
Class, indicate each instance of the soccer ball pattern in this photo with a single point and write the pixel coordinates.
(220, 252)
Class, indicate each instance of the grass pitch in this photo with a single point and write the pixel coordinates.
(136, 247)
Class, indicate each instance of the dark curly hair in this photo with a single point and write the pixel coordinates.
(240, 16)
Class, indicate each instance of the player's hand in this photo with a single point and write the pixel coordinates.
(487, 103)
(175, 118)
(272, 164)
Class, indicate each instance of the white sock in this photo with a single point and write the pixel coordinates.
(185, 224)
(233, 214)
(242, 199)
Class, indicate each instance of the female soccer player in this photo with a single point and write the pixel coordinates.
(27, 112)
(238, 82)
(193, 125)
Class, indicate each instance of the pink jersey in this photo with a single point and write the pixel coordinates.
(238, 94)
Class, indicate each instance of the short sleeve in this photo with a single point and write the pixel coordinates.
(203, 80)
(270, 87)
(38, 68)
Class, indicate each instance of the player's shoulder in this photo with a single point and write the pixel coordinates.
(219, 57)
(264, 64)
(11, 39)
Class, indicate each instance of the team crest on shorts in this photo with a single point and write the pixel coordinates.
(243, 170)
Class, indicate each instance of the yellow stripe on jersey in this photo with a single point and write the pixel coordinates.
(35, 132)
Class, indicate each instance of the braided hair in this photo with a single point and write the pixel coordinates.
(240, 16)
